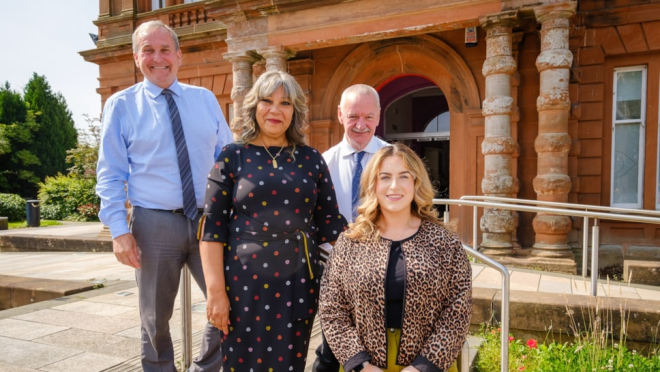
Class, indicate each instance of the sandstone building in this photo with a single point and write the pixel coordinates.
(555, 100)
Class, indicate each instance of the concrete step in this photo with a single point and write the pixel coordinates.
(18, 291)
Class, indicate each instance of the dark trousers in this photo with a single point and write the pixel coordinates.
(167, 241)
(325, 358)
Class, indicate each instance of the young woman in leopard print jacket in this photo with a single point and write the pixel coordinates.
(397, 291)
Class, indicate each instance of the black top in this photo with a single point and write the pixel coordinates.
(395, 285)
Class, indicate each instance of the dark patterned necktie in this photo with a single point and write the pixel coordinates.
(356, 183)
(187, 186)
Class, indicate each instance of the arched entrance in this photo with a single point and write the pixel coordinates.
(377, 63)
(415, 111)
(382, 62)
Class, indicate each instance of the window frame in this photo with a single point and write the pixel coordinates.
(642, 136)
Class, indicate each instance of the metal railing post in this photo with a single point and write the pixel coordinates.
(594, 258)
(465, 357)
(506, 283)
(474, 231)
(585, 245)
(186, 318)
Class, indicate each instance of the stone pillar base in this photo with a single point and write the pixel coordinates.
(553, 251)
(105, 233)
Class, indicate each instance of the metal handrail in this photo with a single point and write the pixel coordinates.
(585, 222)
(586, 207)
(561, 212)
(506, 284)
(186, 317)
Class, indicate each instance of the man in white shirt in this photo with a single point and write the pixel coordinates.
(359, 113)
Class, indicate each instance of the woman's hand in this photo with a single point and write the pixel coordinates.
(368, 367)
(217, 310)
(410, 369)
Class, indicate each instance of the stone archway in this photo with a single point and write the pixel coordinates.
(375, 63)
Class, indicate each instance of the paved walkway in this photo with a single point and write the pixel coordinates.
(98, 330)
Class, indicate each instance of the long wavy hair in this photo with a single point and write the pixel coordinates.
(365, 226)
(265, 85)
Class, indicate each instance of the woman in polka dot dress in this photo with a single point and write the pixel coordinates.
(269, 203)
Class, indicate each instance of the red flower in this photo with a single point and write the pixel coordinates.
(532, 343)
(510, 338)
(521, 368)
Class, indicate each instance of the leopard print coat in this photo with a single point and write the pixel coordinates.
(438, 299)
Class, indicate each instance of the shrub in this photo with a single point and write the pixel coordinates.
(68, 193)
(89, 212)
(12, 206)
(52, 212)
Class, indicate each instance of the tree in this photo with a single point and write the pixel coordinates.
(17, 130)
(85, 156)
(57, 133)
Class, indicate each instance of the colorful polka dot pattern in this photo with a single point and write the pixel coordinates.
(261, 213)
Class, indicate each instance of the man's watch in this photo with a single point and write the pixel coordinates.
(360, 367)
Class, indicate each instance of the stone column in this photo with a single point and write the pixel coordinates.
(276, 58)
(498, 146)
(242, 81)
(552, 182)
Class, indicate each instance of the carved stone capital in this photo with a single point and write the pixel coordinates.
(241, 57)
(276, 57)
(507, 19)
(549, 12)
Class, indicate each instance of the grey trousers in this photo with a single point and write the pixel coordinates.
(166, 241)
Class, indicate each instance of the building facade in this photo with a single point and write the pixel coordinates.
(537, 99)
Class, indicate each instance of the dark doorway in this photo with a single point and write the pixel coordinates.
(415, 112)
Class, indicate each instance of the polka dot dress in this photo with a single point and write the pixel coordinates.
(272, 220)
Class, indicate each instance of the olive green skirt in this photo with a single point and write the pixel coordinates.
(393, 338)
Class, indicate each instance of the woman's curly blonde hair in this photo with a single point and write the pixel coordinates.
(365, 226)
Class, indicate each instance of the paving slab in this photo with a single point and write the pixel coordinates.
(11, 368)
(95, 342)
(524, 281)
(32, 355)
(22, 330)
(88, 322)
(553, 284)
(648, 294)
(85, 362)
(94, 308)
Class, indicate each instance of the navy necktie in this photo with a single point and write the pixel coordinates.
(187, 186)
(356, 183)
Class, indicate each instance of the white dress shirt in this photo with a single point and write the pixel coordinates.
(342, 162)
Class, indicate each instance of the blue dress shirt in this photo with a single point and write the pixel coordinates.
(137, 147)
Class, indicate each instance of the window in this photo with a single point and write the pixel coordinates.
(157, 4)
(629, 128)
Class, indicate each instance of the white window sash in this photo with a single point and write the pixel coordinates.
(621, 125)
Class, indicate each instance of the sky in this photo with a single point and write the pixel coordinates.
(45, 36)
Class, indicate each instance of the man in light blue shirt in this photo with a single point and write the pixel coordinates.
(140, 154)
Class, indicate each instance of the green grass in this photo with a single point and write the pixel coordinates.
(23, 224)
(587, 353)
